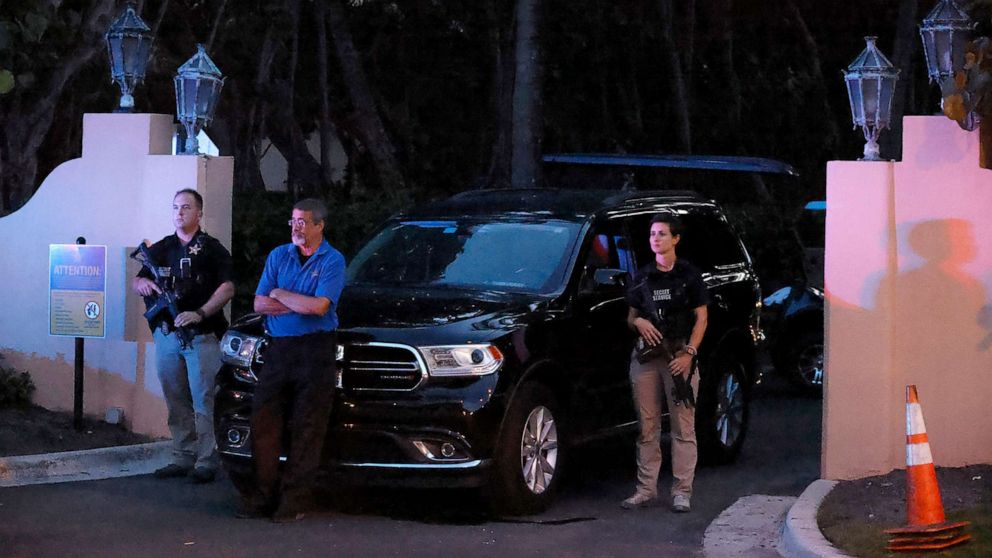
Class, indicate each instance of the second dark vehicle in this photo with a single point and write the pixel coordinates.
(484, 336)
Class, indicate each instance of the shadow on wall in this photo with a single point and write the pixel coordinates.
(940, 319)
(942, 312)
(942, 333)
(101, 389)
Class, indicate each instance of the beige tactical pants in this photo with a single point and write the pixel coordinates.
(649, 381)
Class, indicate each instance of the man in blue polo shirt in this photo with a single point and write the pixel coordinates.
(298, 294)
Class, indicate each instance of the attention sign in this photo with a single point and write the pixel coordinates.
(77, 286)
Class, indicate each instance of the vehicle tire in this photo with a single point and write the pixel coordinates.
(241, 476)
(527, 469)
(804, 363)
(722, 412)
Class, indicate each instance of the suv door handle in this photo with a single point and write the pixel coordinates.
(719, 302)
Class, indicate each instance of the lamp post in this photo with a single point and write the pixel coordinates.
(129, 42)
(945, 33)
(198, 85)
(871, 79)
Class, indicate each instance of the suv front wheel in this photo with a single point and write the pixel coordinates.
(528, 457)
(722, 411)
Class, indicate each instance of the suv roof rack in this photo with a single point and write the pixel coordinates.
(703, 162)
(544, 201)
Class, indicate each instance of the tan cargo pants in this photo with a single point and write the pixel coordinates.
(649, 381)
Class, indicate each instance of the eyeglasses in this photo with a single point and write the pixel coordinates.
(302, 223)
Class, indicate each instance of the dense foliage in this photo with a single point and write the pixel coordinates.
(16, 388)
(419, 93)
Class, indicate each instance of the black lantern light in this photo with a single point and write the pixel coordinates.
(198, 84)
(871, 79)
(129, 42)
(945, 32)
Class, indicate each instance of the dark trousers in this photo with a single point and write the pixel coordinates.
(293, 401)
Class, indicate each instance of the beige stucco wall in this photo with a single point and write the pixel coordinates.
(118, 193)
(908, 273)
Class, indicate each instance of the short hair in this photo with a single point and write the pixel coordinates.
(317, 208)
(196, 196)
(670, 219)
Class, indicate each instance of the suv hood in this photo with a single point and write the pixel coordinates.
(395, 307)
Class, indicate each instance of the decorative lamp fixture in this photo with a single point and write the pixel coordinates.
(129, 42)
(945, 32)
(198, 84)
(963, 69)
(871, 79)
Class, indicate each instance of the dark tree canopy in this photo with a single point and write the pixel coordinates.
(421, 94)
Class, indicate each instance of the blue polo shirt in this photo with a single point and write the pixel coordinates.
(321, 276)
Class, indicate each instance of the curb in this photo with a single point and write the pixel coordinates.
(801, 536)
(69, 466)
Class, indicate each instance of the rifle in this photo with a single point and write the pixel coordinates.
(667, 324)
(166, 301)
(681, 386)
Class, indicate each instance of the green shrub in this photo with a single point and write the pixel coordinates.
(16, 387)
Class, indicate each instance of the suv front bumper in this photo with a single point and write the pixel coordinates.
(440, 434)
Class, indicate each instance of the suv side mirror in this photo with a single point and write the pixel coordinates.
(607, 277)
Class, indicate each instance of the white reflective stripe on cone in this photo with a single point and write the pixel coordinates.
(914, 419)
(918, 454)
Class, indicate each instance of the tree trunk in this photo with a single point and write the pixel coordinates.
(218, 20)
(498, 175)
(249, 144)
(813, 56)
(367, 119)
(288, 138)
(159, 17)
(326, 127)
(906, 42)
(721, 12)
(720, 15)
(688, 42)
(525, 160)
(673, 69)
(26, 116)
(297, 190)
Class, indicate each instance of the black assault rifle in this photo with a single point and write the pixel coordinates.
(166, 301)
(678, 323)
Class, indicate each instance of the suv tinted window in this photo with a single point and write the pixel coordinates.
(707, 240)
(714, 243)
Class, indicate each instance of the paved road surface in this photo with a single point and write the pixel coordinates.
(147, 518)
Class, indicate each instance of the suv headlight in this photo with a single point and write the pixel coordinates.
(462, 360)
(238, 349)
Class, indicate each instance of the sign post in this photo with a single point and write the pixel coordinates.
(76, 297)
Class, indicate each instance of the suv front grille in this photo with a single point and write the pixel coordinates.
(382, 366)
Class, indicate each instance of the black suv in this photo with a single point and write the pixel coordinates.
(484, 336)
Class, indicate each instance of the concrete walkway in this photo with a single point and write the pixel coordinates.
(760, 526)
(751, 527)
(755, 526)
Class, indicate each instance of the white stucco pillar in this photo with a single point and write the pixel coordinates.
(117, 194)
(908, 272)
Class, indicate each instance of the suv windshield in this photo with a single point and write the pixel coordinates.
(528, 256)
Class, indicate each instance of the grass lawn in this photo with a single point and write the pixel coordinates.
(868, 541)
(856, 513)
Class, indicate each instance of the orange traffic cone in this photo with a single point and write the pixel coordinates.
(927, 529)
